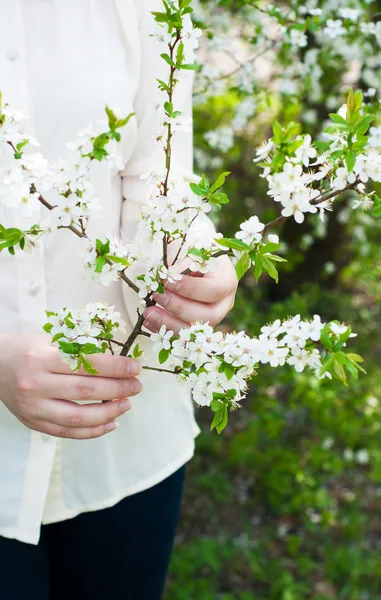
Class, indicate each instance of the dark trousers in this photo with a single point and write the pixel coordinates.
(119, 553)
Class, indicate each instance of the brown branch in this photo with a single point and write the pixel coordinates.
(161, 370)
(137, 330)
(165, 250)
(240, 66)
(112, 342)
(184, 240)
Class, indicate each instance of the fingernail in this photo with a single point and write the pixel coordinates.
(111, 426)
(136, 386)
(154, 318)
(174, 286)
(163, 299)
(133, 367)
(153, 322)
(124, 406)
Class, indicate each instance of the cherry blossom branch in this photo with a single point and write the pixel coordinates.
(322, 198)
(83, 235)
(160, 370)
(240, 65)
(279, 220)
(137, 330)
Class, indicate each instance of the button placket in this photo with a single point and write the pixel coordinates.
(34, 287)
(12, 54)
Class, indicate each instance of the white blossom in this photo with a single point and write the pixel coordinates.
(251, 231)
(162, 339)
(334, 28)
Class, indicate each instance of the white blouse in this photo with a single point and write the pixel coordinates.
(61, 61)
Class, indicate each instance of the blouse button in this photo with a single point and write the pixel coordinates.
(11, 54)
(34, 288)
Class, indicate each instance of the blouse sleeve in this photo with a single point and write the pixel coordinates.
(148, 153)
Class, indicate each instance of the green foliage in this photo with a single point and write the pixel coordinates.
(285, 504)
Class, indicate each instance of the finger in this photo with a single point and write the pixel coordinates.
(72, 415)
(106, 365)
(79, 433)
(156, 317)
(190, 310)
(213, 287)
(77, 387)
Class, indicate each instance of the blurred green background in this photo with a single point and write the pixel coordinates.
(286, 503)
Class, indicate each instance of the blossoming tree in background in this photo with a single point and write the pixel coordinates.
(304, 176)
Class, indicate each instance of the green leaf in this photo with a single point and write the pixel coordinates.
(163, 356)
(351, 105)
(122, 122)
(270, 247)
(339, 120)
(91, 349)
(99, 154)
(57, 337)
(88, 366)
(258, 269)
(228, 369)
(363, 125)
(219, 181)
(196, 252)
(197, 189)
(325, 339)
(278, 132)
(69, 348)
(275, 258)
(243, 265)
(376, 212)
(270, 268)
(48, 327)
(350, 159)
(117, 259)
(220, 419)
(184, 4)
(355, 357)
(232, 243)
(327, 364)
(218, 198)
(163, 86)
(137, 353)
(189, 67)
(112, 118)
(100, 263)
(339, 371)
(201, 188)
(168, 59)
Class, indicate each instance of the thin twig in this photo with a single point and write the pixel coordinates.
(160, 370)
(137, 330)
(184, 240)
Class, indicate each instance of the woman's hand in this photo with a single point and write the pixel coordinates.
(205, 298)
(39, 389)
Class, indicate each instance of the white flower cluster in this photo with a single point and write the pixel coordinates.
(110, 271)
(291, 188)
(76, 200)
(12, 130)
(19, 178)
(190, 36)
(169, 217)
(23, 180)
(218, 365)
(221, 138)
(367, 166)
(80, 328)
(250, 231)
